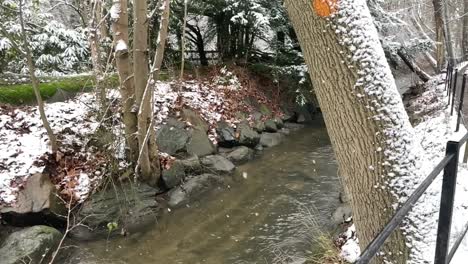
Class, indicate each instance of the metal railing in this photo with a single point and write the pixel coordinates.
(449, 165)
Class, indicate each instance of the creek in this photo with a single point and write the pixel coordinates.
(272, 212)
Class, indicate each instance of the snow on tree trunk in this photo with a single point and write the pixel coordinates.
(370, 131)
(119, 17)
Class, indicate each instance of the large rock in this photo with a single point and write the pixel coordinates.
(172, 138)
(199, 144)
(218, 164)
(131, 206)
(247, 136)
(304, 113)
(270, 126)
(259, 126)
(226, 135)
(271, 139)
(194, 119)
(31, 245)
(240, 155)
(192, 165)
(293, 126)
(287, 115)
(38, 195)
(193, 188)
(279, 122)
(174, 175)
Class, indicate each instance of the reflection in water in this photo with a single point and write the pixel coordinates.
(259, 219)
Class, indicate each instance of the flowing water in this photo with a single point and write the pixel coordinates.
(267, 217)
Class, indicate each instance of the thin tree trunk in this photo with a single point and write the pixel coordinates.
(429, 58)
(465, 31)
(119, 18)
(439, 28)
(141, 71)
(413, 66)
(145, 110)
(448, 35)
(94, 41)
(363, 111)
(35, 81)
(199, 43)
(182, 48)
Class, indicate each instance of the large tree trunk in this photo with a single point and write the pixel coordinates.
(363, 111)
(439, 28)
(35, 81)
(119, 18)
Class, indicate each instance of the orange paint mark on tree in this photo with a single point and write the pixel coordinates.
(325, 8)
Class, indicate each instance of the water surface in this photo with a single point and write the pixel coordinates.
(263, 218)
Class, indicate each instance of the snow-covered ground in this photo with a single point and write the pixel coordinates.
(433, 134)
(24, 141)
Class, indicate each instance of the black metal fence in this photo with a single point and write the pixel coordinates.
(451, 86)
(449, 165)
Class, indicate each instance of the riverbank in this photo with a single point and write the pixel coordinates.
(273, 208)
(204, 130)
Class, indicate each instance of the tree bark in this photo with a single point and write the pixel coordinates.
(119, 18)
(413, 66)
(145, 112)
(94, 43)
(182, 45)
(35, 81)
(141, 71)
(465, 31)
(439, 28)
(363, 111)
(448, 35)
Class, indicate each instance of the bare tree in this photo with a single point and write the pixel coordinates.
(26, 52)
(94, 43)
(143, 91)
(119, 17)
(182, 45)
(439, 29)
(465, 30)
(145, 114)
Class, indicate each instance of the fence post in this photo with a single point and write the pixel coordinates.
(465, 158)
(460, 107)
(454, 92)
(447, 77)
(446, 204)
(449, 87)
